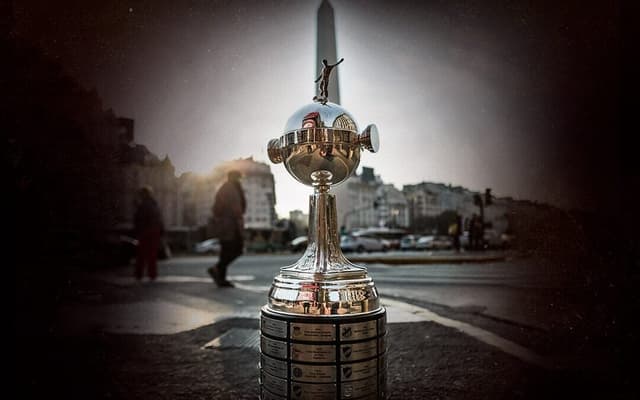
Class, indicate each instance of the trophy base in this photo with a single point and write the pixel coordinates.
(306, 357)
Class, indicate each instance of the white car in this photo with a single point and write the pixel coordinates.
(298, 244)
(209, 246)
(434, 243)
(362, 243)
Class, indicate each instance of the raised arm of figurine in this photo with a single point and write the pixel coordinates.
(341, 60)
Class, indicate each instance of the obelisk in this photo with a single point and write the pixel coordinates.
(326, 47)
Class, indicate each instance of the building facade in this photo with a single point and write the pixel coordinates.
(392, 207)
(140, 167)
(259, 190)
(357, 200)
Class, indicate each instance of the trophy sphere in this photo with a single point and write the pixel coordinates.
(321, 115)
(322, 136)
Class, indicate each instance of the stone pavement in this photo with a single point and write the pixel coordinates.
(117, 340)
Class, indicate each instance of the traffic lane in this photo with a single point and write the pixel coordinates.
(483, 288)
(262, 268)
(520, 272)
(268, 265)
(519, 290)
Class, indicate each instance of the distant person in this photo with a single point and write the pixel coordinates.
(472, 232)
(477, 229)
(343, 230)
(455, 230)
(149, 228)
(228, 210)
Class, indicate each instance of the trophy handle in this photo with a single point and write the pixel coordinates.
(274, 151)
(369, 138)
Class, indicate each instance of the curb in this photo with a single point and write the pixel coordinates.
(426, 259)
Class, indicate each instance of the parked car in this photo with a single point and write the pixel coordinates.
(209, 246)
(362, 243)
(507, 240)
(493, 240)
(434, 243)
(391, 236)
(408, 242)
(298, 244)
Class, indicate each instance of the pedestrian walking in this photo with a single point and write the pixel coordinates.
(472, 232)
(148, 228)
(228, 209)
(477, 227)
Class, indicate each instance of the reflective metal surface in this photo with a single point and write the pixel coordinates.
(323, 282)
(322, 137)
(320, 147)
(323, 328)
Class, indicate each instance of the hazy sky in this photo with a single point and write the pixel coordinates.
(501, 95)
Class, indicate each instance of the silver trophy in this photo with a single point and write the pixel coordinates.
(323, 330)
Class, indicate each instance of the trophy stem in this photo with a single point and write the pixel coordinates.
(323, 233)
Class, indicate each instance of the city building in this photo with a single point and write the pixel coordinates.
(198, 193)
(392, 207)
(427, 200)
(357, 200)
(421, 201)
(259, 190)
(300, 220)
(140, 167)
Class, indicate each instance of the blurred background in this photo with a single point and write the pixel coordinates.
(500, 124)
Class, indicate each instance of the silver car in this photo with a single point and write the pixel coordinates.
(209, 246)
(362, 243)
(434, 243)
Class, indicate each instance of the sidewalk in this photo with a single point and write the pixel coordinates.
(426, 361)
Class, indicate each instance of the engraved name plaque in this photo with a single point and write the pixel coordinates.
(359, 330)
(313, 352)
(273, 327)
(313, 373)
(313, 332)
(274, 348)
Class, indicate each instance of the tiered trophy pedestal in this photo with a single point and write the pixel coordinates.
(323, 358)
